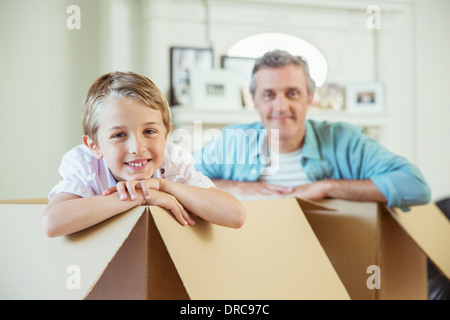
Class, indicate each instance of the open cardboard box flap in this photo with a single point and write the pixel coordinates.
(275, 255)
(425, 224)
(359, 235)
(430, 229)
(34, 266)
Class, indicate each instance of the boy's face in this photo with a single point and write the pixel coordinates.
(132, 139)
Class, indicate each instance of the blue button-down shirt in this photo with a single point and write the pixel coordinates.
(331, 150)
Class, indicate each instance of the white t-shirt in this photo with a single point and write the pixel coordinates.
(83, 175)
(286, 170)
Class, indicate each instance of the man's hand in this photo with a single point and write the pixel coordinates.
(313, 191)
(354, 190)
(252, 188)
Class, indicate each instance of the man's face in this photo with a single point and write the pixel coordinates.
(282, 100)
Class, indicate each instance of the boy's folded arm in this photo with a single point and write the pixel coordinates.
(67, 213)
(169, 202)
(211, 204)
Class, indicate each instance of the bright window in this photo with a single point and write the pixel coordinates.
(256, 45)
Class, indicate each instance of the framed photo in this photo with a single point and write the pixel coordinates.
(364, 98)
(243, 67)
(214, 89)
(182, 60)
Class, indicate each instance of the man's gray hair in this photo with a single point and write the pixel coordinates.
(279, 59)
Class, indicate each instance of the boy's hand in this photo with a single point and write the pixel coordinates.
(130, 186)
(169, 202)
(152, 196)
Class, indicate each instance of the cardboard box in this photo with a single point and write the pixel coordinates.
(287, 249)
(361, 237)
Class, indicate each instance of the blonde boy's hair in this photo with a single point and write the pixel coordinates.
(121, 85)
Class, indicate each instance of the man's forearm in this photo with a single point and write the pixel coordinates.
(358, 190)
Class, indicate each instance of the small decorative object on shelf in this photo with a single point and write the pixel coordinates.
(331, 96)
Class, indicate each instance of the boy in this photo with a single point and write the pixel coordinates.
(126, 161)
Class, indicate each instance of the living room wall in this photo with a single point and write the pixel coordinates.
(47, 68)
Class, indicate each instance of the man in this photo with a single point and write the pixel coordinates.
(285, 154)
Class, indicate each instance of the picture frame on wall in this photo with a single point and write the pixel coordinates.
(243, 66)
(364, 98)
(182, 60)
(215, 89)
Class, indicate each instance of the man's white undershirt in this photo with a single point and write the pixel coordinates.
(289, 170)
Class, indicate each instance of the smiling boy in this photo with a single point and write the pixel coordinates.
(126, 161)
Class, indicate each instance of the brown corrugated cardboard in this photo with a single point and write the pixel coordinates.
(279, 253)
(402, 263)
(275, 255)
(430, 229)
(143, 263)
(125, 257)
(34, 266)
(360, 237)
(348, 236)
(25, 201)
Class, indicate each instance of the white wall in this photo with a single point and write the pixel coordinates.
(45, 72)
(32, 90)
(46, 69)
(432, 85)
